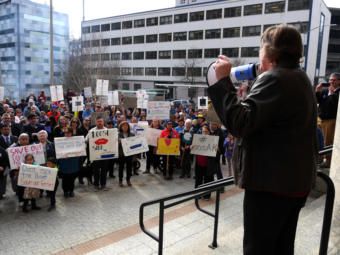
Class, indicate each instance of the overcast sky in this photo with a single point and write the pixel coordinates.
(105, 8)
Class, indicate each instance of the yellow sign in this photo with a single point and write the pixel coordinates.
(168, 146)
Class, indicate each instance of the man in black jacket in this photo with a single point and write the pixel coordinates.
(15, 128)
(33, 127)
(4, 167)
(6, 139)
(328, 99)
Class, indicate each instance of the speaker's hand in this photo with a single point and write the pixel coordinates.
(222, 67)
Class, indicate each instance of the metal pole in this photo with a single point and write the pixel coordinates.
(161, 224)
(51, 45)
(217, 209)
(0, 74)
(83, 10)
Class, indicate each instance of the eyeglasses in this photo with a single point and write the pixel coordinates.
(333, 79)
(74, 121)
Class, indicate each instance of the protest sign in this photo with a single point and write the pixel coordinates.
(17, 155)
(103, 144)
(204, 145)
(212, 115)
(68, 147)
(168, 146)
(139, 128)
(113, 98)
(35, 176)
(142, 99)
(88, 92)
(152, 135)
(202, 103)
(77, 104)
(134, 145)
(57, 93)
(158, 109)
(95, 115)
(102, 87)
(2, 93)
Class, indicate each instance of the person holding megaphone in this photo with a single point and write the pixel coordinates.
(275, 151)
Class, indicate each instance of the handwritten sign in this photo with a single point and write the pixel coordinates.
(168, 146)
(152, 135)
(113, 98)
(77, 104)
(88, 92)
(142, 99)
(103, 144)
(158, 109)
(68, 147)
(102, 87)
(39, 177)
(139, 128)
(17, 155)
(95, 115)
(202, 103)
(2, 93)
(204, 145)
(134, 145)
(57, 93)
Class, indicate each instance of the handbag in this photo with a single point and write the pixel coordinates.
(31, 193)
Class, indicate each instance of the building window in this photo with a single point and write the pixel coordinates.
(105, 57)
(231, 32)
(195, 53)
(139, 23)
(6, 59)
(7, 45)
(165, 37)
(275, 7)
(152, 21)
(115, 71)
(138, 55)
(105, 27)
(230, 52)
(178, 71)
(126, 56)
(151, 71)
(126, 71)
(179, 54)
(196, 16)
(253, 9)
(151, 55)
(211, 53)
(268, 25)
(94, 57)
(180, 36)
(115, 41)
(138, 39)
(301, 26)
(164, 54)
(194, 71)
(115, 56)
(151, 38)
(127, 40)
(165, 20)
(7, 31)
(86, 44)
(8, 16)
(85, 30)
(164, 71)
(95, 29)
(212, 33)
(214, 14)
(95, 43)
(138, 71)
(251, 31)
(126, 86)
(116, 26)
(250, 52)
(105, 42)
(196, 35)
(232, 12)
(137, 86)
(179, 18)
(295, 5)
(127, 24)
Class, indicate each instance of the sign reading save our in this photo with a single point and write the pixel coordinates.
(103, 144)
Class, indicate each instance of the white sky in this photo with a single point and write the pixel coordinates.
(105, 8)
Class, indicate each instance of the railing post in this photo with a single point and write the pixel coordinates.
(161, 225)
(217, 209)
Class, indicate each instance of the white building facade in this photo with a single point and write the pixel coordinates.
(172, 48)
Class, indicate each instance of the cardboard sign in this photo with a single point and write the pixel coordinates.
(68, 147)
(142, 99)
(212, 115)
(95, 115)
(202, 103)
(113, 98)
(152, 135)
(77, 104)
(102, 87)
(17, 155)
(168, 146)
(134, 145)
(139, 128)
(57, 93)
(204, 145)
(158, 109)
(128, 102)
(2, 93)
(88, 92)
(39, 177)
(103, 144)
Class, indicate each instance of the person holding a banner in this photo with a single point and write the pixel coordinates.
(151, 157)
(62, 127)
(48, 146)
(124, 132)
(186, 139)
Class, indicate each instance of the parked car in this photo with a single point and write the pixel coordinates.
(183, 102)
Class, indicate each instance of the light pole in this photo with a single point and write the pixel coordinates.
(51, 45)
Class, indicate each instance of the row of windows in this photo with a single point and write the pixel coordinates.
(191, 35)
(7, 45)
(8, 16)
(41, 60)
(177, 54)
(6, 59)
(7, 31)
(254, 9)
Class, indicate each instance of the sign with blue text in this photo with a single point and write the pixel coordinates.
(103, 144)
